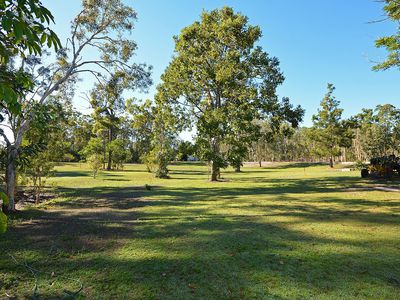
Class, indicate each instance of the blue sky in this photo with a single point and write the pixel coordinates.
(316, 41)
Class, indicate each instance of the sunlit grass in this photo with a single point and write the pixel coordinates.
(284, 231)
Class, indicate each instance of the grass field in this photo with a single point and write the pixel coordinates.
(286, 231)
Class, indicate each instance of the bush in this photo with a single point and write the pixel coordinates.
(95, 161)
(360, 165)
(68, 157)
(384, 166)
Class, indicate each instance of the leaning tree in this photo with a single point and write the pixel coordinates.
(223, 81)
(98, 45)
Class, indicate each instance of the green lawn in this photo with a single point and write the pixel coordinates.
(278, 232)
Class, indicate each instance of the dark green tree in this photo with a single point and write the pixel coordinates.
(142, 117)
(329, 130)
(185, 149)
(222, 81)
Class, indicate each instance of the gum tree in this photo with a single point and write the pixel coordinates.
(98, 45)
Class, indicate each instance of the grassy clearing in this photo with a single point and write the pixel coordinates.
(287, 231)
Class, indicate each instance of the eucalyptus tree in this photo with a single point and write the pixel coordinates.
(141, 122)
(98, 45)
(329, 130)
(108, 104)
(222, 81)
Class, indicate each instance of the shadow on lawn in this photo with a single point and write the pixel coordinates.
(178, 249)
(295, 165)
(226, 258)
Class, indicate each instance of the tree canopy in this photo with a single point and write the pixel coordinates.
(223, 81)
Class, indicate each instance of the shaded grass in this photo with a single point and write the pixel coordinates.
(279, 232)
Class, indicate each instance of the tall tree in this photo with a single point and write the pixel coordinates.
(378, 131)
(222, 80)
(102, 25)
(142, 117)
(390, 43)
(109, 105)
(330, 131)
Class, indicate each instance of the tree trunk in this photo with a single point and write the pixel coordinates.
(331, 161)
(237, 168)
(260, 163)
(11, 177)
(110, 139)
(104, 152)
(38, 190)
(215, 172)
(109, 162)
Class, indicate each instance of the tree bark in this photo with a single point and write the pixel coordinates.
(215, 172)
(11, 176)
(109, 161)
(104, 152)
(215, 167)
(110, 139)
(237, 168)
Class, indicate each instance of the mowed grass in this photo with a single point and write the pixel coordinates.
(285, 231)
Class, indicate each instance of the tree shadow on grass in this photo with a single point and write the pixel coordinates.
(164, 243)
(295, 165)
(208, 258)
(72, 174)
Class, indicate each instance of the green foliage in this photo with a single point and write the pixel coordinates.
(95, 162)
(164, 134)
(94, 146)
(329, 130)
(23, 28)
(119, 153)
(390, 43)
(387, 161)
(360, 165)
(40, 168)
(157, 160)
(3, 216)
(378, 131)
(142, 125)
(3, 222)
(220, 79)
(185, 149)
(109, 106)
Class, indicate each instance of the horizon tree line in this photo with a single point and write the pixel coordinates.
(218, 81)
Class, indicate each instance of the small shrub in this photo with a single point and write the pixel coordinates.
(95, 162)
(384, 166)
(360, 165)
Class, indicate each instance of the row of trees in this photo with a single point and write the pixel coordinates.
(219, 82)
(371, 133)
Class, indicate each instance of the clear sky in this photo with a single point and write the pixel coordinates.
(316, 41)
